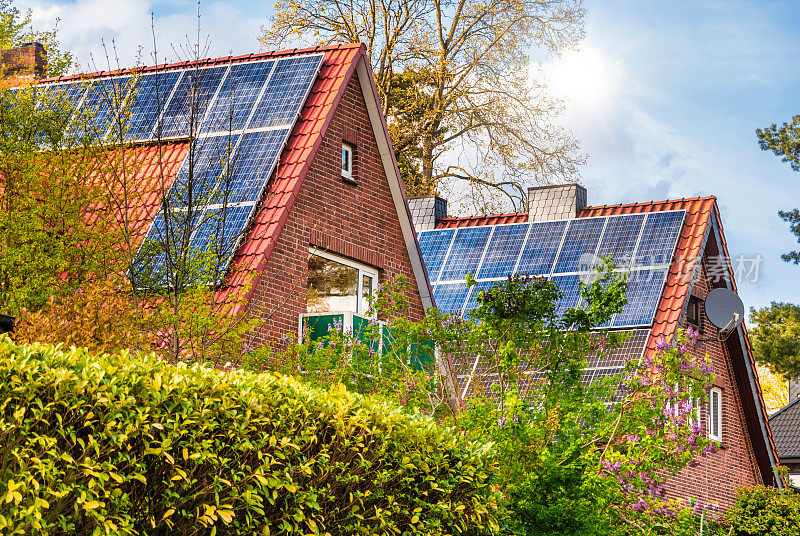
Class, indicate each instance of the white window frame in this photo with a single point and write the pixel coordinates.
(347, 173)
(361, 308)
(715, 414)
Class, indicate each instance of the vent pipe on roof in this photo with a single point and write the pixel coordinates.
(556, 202)
(426, 211)
(28, 60)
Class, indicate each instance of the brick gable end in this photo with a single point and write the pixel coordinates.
(355, 220)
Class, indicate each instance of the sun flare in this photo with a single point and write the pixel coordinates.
(584, 78)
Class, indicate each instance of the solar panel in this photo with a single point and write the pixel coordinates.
(450, 297)
(541, 247)
(187, 106)
(257, 155)
(217, 235)
(150, 94)
(99, 107)
(238, 96)
(577, 253)
(465, 253)
(503, 251)
(571, 289)
(202, 171)
(499, 251)
(619, 238)
(659, 238)
(287, 90)
(224, 175)
(644, 293)
(472, 298)
(434, 246)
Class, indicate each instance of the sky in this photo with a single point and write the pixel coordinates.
(664, 98)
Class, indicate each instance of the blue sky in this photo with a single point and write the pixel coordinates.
(664, 97)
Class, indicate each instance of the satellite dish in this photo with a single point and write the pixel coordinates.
(724, 309)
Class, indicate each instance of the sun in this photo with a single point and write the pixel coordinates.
(584, 78)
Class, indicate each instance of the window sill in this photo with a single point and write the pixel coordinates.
(349, 180)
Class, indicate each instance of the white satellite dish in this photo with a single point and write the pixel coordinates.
(724, 309)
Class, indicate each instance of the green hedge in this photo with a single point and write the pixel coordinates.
(761, 511)
(124, 445)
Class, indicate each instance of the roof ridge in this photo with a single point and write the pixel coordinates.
(499, 214)
(204, 62)
(784, 408)
(646, 203)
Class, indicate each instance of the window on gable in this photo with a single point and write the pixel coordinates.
(336, 284)
(715, 414)
(347, 161)
(693, 311)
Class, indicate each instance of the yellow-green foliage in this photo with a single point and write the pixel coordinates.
(124, 445)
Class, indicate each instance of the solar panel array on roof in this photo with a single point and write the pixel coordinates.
(564, 250)
(241, 115)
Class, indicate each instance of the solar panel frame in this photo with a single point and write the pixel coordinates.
(207, 82)
(664, 242)
(248, 208)
(468, 245)
(578, 252)
(510, 239)
(535, 261)
(234, 112)
(143, 119)
(309, 67)
(450, 297)
(437, 245)
(645, 288)
(621, 235)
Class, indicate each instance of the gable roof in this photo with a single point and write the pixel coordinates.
(340, 63)
(702, 228)
(785, 426)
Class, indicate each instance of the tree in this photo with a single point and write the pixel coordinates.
(72, 228)
(784, 141)
(774, 389)
(573, 457)
(776, 338)
(454, 76)
(16, 28)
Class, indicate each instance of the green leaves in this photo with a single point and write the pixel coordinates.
(130, 445)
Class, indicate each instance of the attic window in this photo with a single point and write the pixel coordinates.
(715, 414)
(693, 311)
(347, 162)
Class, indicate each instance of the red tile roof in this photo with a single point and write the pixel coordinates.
(155, 165)
(688, 250)
(472, 221)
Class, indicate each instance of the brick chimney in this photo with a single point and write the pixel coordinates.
(426, 211)
(27, 61)
(556, 202)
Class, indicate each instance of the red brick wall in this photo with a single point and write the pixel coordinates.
(358, 221)
(26, 61)
(734, 465)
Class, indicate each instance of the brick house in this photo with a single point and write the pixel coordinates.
(319, 190)
(785, 426)
(676, 253)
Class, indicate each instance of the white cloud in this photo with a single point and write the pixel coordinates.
(125, 25)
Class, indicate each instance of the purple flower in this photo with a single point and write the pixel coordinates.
(662, 345)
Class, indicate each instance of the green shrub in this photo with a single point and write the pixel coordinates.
(123, 445)
(761, 511)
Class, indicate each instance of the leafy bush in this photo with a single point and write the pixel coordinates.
(760, 511)
(123, 445)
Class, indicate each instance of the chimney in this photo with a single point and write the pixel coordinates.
(27, 61)
(426, 211)
(556, 202)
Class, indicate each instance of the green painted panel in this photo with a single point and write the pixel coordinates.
(316, 327)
